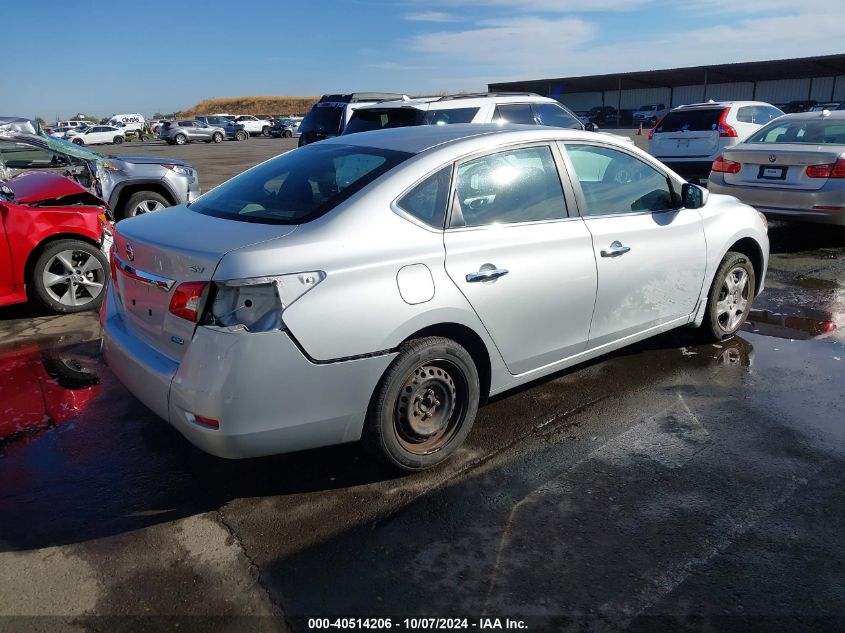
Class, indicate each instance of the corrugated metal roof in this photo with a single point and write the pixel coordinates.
(797, 68)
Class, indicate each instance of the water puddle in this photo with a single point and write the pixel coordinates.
(40, 389)
(799, 324)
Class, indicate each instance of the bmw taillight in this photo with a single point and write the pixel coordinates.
(721, 165)
(828, 170)
(186, 300)
(726, 130)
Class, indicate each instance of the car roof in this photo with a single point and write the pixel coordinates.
(720, 104)
(833, 115)
(419, 138)
(460, 101)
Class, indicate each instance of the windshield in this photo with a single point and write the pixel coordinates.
(298, 186)
(704, 120)
(58, 145)
(812, 131)
(323, 119)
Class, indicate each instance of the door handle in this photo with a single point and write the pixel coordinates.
(616, 249)
(487, 275)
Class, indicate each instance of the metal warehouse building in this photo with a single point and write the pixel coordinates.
(777, 81)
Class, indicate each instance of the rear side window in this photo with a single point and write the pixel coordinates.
(515, 113)
(703, 120)
(555, 116)
(518, 185)
(452, 115)
(299, 186)
(427, 200)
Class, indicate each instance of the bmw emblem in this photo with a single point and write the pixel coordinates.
(772, 158)
(130, 252)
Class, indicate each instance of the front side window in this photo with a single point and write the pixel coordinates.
(553, 115)
(519, 185)
(615, 182)
(514, 113)
(299, 186)
(427, 200)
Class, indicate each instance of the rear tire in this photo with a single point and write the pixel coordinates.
(287, 133)
(78, 141)
(217, 137)
(180, 139)
(265, 131)
(117, 140)
(730, 298)
(70, 276)
(424, 405)
(241, 136)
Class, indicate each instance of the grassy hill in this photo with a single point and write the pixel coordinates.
(253, 105)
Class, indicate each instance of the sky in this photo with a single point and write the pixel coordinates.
(122, 56)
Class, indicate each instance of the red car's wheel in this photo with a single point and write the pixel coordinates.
(70, 276)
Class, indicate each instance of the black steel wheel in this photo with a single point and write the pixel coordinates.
(424, 405)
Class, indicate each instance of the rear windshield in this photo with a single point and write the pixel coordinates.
(705, 120)
(368, 119)
(813, 131)
(298, 186)
(323, 120)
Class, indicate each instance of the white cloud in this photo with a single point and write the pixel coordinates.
(530, 45)
(550, 6)
(431, 16)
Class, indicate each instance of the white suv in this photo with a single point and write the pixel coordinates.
(690, 137)
(512, 107)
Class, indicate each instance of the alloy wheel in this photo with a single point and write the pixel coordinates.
(73, 278)
(733, 302)
(148, 206)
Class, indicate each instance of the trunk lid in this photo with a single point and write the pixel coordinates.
(687, 133)
(157, 252)
(782, 165)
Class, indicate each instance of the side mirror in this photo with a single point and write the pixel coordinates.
(591, 127)
(693, 196)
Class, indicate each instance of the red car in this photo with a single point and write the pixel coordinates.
(55, 236)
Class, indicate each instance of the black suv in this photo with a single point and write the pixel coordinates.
(331, 113)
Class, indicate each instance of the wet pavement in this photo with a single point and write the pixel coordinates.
(670, 486)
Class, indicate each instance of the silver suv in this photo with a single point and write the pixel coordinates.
(186, 131)
(501, 107)
(131, 185)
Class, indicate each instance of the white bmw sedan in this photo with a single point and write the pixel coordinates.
(379, 287)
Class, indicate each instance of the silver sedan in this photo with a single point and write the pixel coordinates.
(380, 287)
(793, 168)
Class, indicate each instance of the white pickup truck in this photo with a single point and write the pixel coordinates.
(650, 114)
(254, 125)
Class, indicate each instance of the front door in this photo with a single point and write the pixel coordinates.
(650, 254)
(525, 266)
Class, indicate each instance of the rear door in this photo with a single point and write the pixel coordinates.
(524, 264)
(690, 133)
(650, 254)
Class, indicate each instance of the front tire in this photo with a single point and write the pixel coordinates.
(70, 276)
(287, 133)
(265, 131)
(78, 141)
(241, 136)
(142, 202)
(730, 298)
(424, 405)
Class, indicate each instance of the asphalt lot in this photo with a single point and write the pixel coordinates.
(671, 486)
